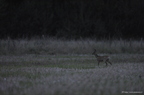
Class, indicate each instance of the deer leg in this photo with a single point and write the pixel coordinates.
(106, 63)
(109, 62)
(98, 63)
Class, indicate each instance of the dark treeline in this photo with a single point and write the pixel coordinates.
(72, 19)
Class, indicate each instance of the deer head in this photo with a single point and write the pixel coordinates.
(94, 52)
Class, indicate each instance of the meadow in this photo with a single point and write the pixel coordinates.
(62, 67)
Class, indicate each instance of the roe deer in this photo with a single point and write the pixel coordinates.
(101, 58)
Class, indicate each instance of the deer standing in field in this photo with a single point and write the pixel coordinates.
(101, 58)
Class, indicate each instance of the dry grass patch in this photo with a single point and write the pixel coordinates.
(57, 46)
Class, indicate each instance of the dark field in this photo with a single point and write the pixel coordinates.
(58, 72)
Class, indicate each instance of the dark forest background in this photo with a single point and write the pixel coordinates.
(72, 19)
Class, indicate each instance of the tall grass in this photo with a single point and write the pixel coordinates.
(56, 46)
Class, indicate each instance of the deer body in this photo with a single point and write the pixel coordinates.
(101, 58)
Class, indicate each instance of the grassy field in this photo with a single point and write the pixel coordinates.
(29, 70)
(70, 75)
